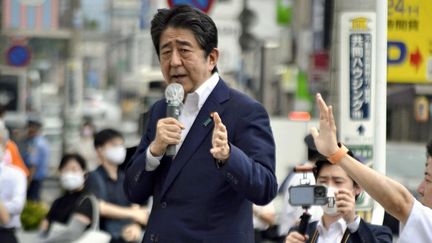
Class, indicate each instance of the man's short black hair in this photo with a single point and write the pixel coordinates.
(106, 135)
(186, 17)
(324, 162)
(72, 156)
(313, 154)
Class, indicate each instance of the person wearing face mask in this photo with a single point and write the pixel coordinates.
(339, 222)
(73, 208)
(119, 217)
(12, 193)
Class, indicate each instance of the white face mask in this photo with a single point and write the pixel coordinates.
(330, 208)
(116, 155)
(71, 180)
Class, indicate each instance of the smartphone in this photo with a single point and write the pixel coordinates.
(307, 195)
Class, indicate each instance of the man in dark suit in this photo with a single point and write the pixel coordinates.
(225, 155)
(339, 222)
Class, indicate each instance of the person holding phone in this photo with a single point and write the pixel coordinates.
(339, 222)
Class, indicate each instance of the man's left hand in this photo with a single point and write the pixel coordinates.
(132, 232)
(220, 148)
(345, 202)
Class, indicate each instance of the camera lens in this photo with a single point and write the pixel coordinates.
(319, 191)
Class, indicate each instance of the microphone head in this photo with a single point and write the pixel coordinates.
(174, 93)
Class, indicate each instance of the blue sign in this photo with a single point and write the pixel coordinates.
(360, 75)
(18, 56)
(203, 5)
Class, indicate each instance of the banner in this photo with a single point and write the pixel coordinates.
(409, 41)
(30, 14)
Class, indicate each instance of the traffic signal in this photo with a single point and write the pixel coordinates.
(247, 40)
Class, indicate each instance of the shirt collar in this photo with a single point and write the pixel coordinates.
(339, 224)
(204, 90)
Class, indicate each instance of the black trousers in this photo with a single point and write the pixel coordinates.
(33, 191)
(7, 235)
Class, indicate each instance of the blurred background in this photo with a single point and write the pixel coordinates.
(71, 61)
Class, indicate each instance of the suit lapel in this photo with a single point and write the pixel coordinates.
(201, 128)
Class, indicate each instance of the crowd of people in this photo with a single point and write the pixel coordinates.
(23, 171)
(220, 184)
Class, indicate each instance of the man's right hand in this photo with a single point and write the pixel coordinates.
(168, 131)
(296, 237)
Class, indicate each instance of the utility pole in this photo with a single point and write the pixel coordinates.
(359, 78)
(73, 88)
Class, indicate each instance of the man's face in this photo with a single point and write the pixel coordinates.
(425, 187)
(182, 59)
(33, 130)
(335, 176)
(115, 142)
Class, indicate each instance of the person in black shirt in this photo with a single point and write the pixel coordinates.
(73, 208)
(119, 217)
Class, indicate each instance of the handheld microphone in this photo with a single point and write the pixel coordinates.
(174, 94)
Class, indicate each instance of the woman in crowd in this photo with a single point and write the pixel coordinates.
(73, 209)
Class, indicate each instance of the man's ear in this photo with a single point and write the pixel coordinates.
(357, 190)
(213, 58)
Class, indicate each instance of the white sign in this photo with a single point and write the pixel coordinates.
(357, 80)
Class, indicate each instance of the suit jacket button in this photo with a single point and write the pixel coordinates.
(163, 205)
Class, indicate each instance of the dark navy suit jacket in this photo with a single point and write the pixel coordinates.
(193, 200)
(366, 233)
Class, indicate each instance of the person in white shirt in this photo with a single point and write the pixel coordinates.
(415, 216)
(263, 217)
(12, 193)
(339, 223)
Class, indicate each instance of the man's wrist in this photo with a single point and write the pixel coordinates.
(155, 150)
(221, 162)
(335, 157)
(354, 225)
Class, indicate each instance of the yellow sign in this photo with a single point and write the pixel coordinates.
(409, 41)
(359, 23)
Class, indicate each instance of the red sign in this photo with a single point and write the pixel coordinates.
(203, 5)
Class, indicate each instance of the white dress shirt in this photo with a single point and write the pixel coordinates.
(13, 187)
(418, 227)
(192, 105)
(336, 230)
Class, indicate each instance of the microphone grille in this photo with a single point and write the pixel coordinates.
(174, 93)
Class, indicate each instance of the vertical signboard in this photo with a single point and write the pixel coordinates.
(357, 89)
(357, 80)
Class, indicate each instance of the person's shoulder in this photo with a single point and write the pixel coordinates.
(244, 102)
(419, 212)
(240, 96)
(42, 141)
(376, 227)
(14, 171)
